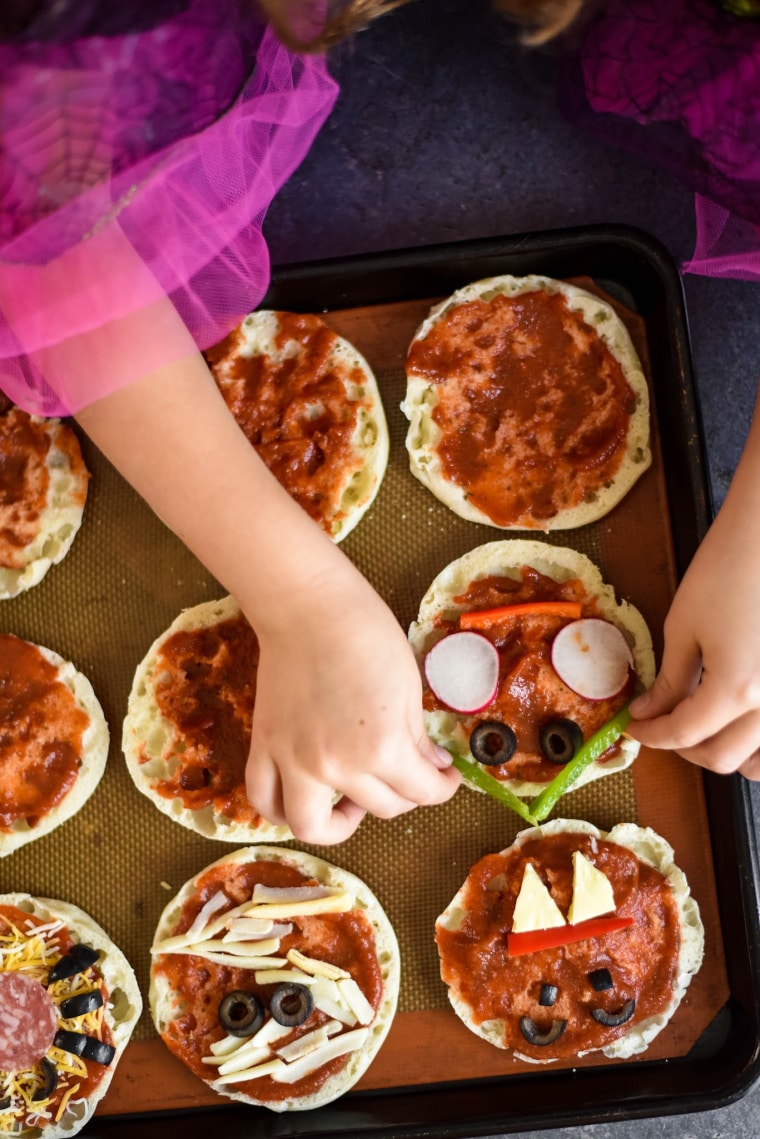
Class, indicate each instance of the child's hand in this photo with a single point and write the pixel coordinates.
(339, 710)
(705, 702)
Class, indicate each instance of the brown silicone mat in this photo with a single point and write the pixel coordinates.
(124, 581)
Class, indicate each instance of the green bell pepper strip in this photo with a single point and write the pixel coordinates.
(607, 735)
(485, 782)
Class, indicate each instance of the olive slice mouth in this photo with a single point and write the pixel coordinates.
(560, 739)
(614, 1019)
(534, 1035)
(81, 1004)
(240, 1013)
(49, 1080)
(79, 958)
(492, 742)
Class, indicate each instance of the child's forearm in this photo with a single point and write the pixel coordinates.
(172, 437)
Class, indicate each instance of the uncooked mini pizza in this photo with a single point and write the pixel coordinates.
(528, 408)
(275, 978)
(53, 744)
(187, 731)
(571, 941)
(310, 405)
(43, 488)
(69, 1001)
(526, 653)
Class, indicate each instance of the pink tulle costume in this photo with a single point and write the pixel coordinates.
(140, 147)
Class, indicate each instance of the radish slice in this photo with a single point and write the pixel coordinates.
(592, 657)
(463, 671)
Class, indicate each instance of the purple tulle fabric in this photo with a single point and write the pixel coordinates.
(679, 82)
(135, 167)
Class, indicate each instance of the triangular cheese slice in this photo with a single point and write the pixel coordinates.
(535, 908)
(592, 891)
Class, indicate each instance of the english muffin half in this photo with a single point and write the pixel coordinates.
(527, 404)
(309, 403)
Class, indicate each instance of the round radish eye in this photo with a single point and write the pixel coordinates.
(463, 671)
(560, 740)
(592, 657)
(493, 743)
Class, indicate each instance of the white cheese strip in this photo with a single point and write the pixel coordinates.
(315, 967)
(227, 1044)
(338, 1046)
(268, 894)
(592, 891)
(306, 1044)
(356, 1000)
(245, 929)
(270, 1068)
(216, 925)
(212, 906)
(329, 1000)
(282, 976)
(535, 908)
(235, 962)
(334, 904)
(263, 947)
(246, 1047)
(254, 927)
(245, 1058)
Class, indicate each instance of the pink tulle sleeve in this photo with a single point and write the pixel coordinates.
(137, 168)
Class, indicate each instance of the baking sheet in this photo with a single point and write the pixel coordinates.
(126, 579)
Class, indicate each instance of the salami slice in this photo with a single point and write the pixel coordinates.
(28, 1018)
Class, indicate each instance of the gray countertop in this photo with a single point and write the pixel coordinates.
(446, 130)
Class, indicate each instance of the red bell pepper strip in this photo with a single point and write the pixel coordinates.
(533, 940)
(482, 618)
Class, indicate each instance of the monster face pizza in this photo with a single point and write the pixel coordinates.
(68, 1004)
(526, 654)
(275, 978)
(309, 403)
(43, 488)
(570, 941)
(527, 405)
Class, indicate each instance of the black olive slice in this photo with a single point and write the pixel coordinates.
(74, 1042)
(98, 1051)
(613, 1019)
(600, 980)
(548, 995)
(560, 740)
(76, 961)
(534, 1035)
(240, 1013)
(492, 742)
(81, 1004)
(49, 1080)
(291, 1004)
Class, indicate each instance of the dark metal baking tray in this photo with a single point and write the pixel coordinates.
(725, 1061)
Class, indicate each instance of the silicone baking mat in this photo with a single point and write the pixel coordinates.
(127, 577)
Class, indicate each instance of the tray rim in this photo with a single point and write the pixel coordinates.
(463, 1110)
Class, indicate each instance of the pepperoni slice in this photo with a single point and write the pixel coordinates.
(28, 1019)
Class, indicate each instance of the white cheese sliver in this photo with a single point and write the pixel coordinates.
(235, 962)
(303, 1045)
(245, 1058)
(246, 929)
(333, 904)
(315, 967)
(356, 1000)
(215, 903)
(535, 908)
(338, 1046)
(263, 893)
(271, 1067)
(282, 976)
(263, 947)
(226, 1045)
(329, 1000)
(180, 940)
(256, 927)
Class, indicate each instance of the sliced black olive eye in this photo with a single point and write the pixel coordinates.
(291, 1004)
(492, 742)
(600, 980)
(548, 995)
(613, 1019)
(76, 961)
(98, 1051)
(81, 1004)
(240, 1013)
(534, 1035)
(560, 740)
